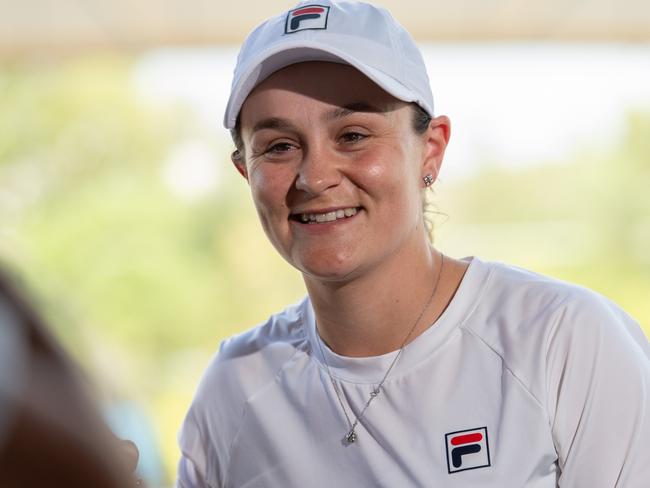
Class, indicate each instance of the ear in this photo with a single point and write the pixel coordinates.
(436, 139)
(237, 159)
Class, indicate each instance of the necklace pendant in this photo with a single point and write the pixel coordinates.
(351, 437)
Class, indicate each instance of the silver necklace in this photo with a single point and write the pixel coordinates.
(351, 435)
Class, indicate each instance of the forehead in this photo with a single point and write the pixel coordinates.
(332, 84)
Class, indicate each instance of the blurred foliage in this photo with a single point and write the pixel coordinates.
(142, 285)
(585, 219)
(131, 276)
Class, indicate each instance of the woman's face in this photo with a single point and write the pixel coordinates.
(335, 169)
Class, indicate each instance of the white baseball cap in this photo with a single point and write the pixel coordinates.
(364, 36)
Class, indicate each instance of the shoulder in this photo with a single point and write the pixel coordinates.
(248, 361)
(244, 365)
(525, 301)
(536, 324)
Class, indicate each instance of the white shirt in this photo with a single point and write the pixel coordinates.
(523, 381)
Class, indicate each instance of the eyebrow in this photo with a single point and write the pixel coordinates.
(272, 123)
(352, 108)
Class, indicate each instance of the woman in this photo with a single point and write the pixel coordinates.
(402, 366)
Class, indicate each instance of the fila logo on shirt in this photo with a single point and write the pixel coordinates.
(306, 17)
(467, 449)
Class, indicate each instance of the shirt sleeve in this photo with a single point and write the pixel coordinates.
(598, 381)
(193, 469)
(209, 427)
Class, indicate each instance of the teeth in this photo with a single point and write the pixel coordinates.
(329, 216)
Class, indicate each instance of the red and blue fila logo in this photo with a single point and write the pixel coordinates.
(306, 17)
(467, 449)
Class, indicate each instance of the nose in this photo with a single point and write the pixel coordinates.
(318, 171)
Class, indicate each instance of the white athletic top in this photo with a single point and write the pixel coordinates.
(524, 381)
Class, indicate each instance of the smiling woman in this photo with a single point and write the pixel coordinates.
(314, 149)
(403, 366)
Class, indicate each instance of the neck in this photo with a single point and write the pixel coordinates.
(373, 314)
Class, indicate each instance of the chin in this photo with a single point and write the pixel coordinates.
(327, 267)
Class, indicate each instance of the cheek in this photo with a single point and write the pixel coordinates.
(269, 188)
(375, 170)
(389, 174)
(392, 181)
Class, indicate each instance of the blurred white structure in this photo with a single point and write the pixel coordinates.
(52, 26)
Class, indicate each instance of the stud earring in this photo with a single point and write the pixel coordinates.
(428, 180)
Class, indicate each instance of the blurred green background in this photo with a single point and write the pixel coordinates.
(143, 269)
(142, 285)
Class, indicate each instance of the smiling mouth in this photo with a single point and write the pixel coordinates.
(325, 217)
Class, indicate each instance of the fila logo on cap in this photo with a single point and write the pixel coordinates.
(467, 449)
(306, 17)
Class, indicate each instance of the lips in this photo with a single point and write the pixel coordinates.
(325, 216)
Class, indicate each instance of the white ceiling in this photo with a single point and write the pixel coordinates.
(55, 26)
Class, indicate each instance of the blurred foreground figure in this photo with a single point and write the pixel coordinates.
(51, 433)
(404, 366)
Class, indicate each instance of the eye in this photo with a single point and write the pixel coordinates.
(352, 137)
(278, 150)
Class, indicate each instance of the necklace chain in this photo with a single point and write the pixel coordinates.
(351, 435)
